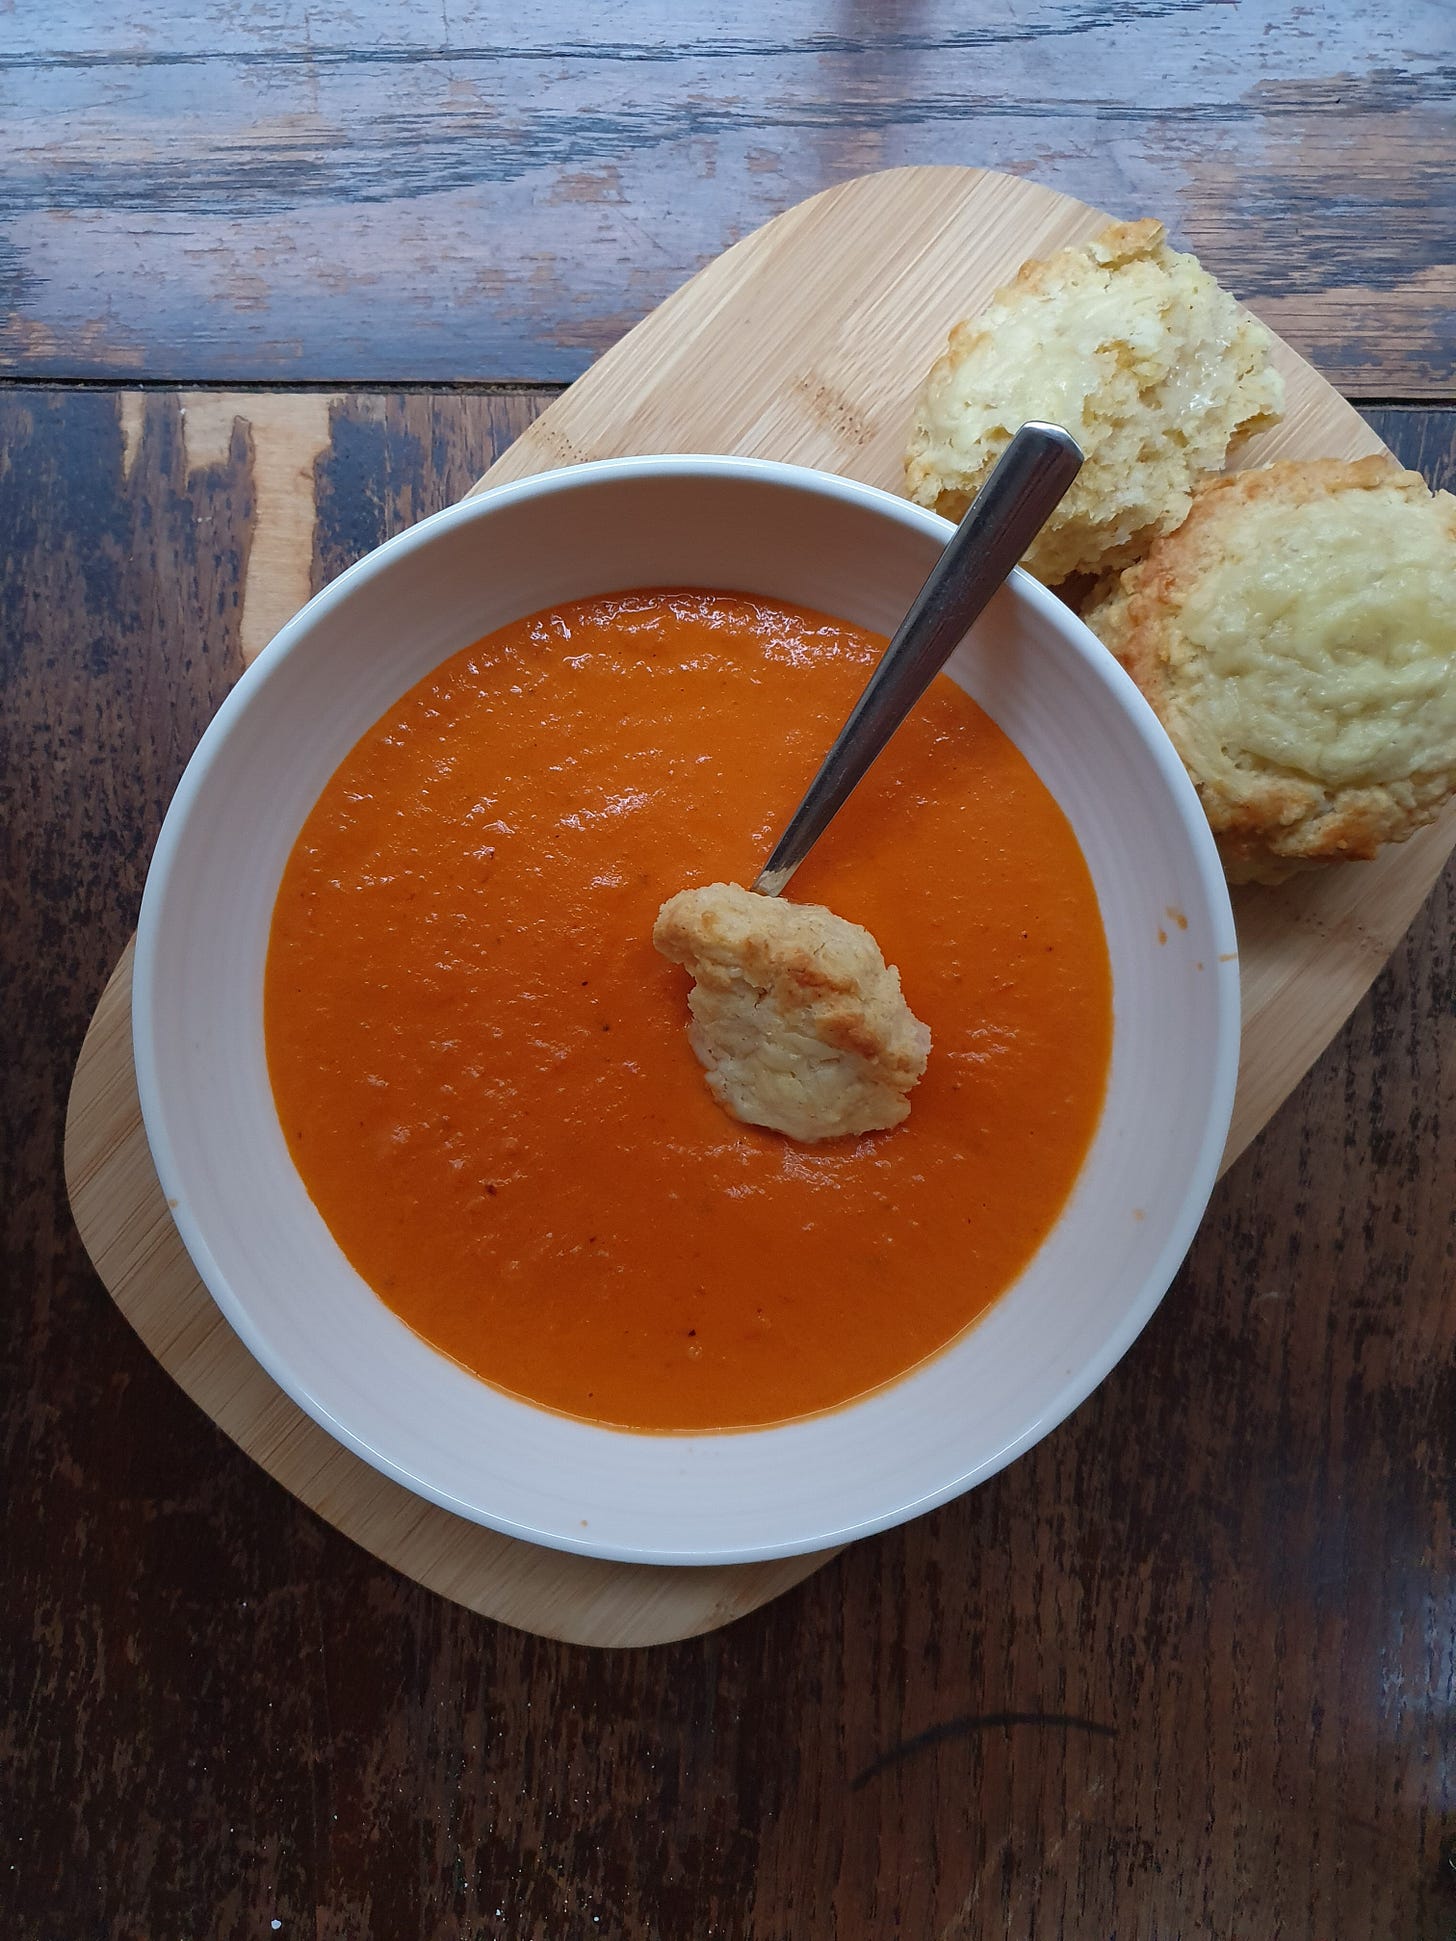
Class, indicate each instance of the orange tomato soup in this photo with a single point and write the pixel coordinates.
(481, 1064)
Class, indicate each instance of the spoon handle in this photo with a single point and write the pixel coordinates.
(1028, 482)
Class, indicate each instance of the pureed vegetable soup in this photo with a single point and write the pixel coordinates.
(481, 1064)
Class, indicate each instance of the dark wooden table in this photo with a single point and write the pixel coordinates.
(275, 282)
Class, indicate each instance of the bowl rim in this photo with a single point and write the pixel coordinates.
(480, 505)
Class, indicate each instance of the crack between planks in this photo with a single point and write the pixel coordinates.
(300, 387)
(480, 387)
(1079, 21)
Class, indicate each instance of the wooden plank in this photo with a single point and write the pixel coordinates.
(1199, 1695)
(369, 194)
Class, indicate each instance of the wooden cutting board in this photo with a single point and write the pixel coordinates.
(806, 341)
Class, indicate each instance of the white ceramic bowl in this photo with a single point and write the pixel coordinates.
(268, 1258)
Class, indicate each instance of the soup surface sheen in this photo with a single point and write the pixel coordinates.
(481, 1064)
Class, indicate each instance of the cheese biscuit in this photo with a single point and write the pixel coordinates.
(797, 1020)
(1297, 638)
(1136, 351)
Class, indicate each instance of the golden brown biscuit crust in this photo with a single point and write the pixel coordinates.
(796, 1018)
(1138, 352)
(1273, 818)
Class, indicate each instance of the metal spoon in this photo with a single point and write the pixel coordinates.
(1028, 482)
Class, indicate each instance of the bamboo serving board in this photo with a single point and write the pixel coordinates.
(804, 342)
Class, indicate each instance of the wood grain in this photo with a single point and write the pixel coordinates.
(830, 386)
(1188, 1695)
(362, 193)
